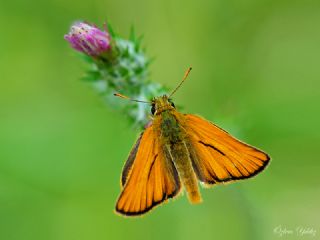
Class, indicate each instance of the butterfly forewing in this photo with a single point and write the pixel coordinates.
(148, 177)
(219, 157)
(128, 165)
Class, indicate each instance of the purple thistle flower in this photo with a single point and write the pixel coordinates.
(88, 39)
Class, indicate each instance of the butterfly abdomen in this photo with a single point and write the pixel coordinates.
(175, 149)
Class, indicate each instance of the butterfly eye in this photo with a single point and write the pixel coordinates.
(171, 103)
(153, 109)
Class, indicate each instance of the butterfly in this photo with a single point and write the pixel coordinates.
(177, 151)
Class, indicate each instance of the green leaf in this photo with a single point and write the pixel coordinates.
(138, 43)
(91, 75)
(149, 61)
(132, 35)
(85, 57)
(111, 31)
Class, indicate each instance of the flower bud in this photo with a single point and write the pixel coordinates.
(88, 39)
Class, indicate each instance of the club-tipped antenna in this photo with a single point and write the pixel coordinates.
(125, 97)
(183, 79)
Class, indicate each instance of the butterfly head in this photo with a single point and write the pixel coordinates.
(160, 104)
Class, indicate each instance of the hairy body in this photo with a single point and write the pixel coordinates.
(174, 142)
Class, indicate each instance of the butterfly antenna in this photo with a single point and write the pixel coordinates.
(184, 78)
(125, 97)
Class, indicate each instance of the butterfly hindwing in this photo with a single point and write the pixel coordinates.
(148, 177)
(219, 157)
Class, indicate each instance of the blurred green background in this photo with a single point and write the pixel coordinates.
(256, 74)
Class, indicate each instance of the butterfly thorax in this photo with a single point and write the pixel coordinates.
(173, 139)
(167, 120)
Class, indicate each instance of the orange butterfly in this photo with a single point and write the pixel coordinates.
(177, 150)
